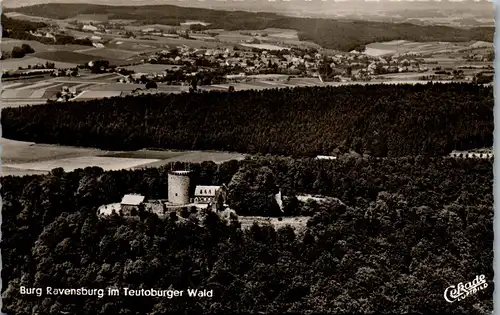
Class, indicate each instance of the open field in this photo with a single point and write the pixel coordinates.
(274, 37)
(38, 90)
(138, 28)
(72, 57)
(158, 42)
(21, 16)
(27, 158)
(198, 157)
(409, 47)
(152, 68)
(146, 154)
(19, 82)
(193, 22)
(122, 21)
(9, 43)
(88, 95)
(133, 46)
(32, 18)
(233, 37)
(14, 64)
(265, 46)
(91, 17)
(71, 164)
(282, 33)
(109, 53)
(14, 152)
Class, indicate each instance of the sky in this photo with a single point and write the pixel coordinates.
(17, 3)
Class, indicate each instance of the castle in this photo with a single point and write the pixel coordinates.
(179, 184)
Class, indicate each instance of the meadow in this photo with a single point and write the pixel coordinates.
(72, 57)
(151, 68)
(14, 64)
(21, 158)
(157, 42)
(9, 43)
(109, 53)
(265, 46)
(409, 47)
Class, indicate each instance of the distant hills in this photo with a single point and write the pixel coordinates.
(385, 9)
(343, 35)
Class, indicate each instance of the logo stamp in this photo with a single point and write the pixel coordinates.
(463, 290)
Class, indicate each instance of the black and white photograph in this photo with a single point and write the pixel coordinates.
(247, 157)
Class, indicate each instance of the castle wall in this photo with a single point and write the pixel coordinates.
(178, 188)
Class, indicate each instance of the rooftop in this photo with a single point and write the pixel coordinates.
(180, 172)
(206, 190)
(132, 200)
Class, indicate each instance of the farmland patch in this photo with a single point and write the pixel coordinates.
(75, 58)
(26, 152)
(146, 154)
(265, 46)
(71, 164)
(151, 68)
(109, 53)
(198, 157)
(14, 64)
(9, 43)
(402, 46)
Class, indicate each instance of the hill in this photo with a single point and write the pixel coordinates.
(335, 34)
(20, 29)
(409, 229)
(379, 120)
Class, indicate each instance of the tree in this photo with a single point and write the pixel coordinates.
(253, 191)
(407, 228)
(398, 124)
(220, 203)
(194, 84)
(17, 52)
(99, 66)
(151, 85)
(349, 71)
(184, 213)
(27, 49)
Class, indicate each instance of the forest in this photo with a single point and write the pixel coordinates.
(376, 120)
(408, 229)
(328, 33)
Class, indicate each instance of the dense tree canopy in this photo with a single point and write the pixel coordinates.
(410, 227)
(20, 52)
(378, 120)
(328, 33)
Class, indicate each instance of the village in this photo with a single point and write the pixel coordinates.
(193, 57)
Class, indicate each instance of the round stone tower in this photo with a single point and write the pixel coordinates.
(178, 187)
